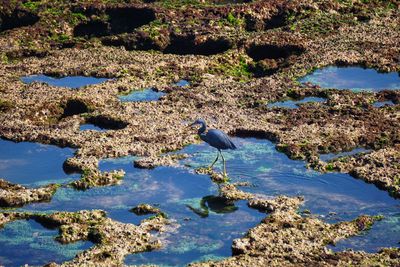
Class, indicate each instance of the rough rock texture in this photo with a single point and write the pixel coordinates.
(165, 160)
(277, 203)
(143, 209)
(12, 195)
(232, 193)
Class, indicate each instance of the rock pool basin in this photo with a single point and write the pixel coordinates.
(209, 232)
(73, 82)
(354, 78)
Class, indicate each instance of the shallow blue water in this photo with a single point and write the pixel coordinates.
(85, 127)
(33, 164)
(70, 81)
(330, 156)
(273, 173)
(388, 229)
(208, 225)
(382, 104)
(26, 241)
(353, 78)
(172, 190)
(142, 95)
(294, 103)
(182, 83)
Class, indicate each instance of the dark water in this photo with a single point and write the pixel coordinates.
(295, 103)
(70, 81)
(142, 95)
(353, 78)
(33, 164)
(383, 103)
(85, 127)
(26, 241)
(208, 225)
(330, 156)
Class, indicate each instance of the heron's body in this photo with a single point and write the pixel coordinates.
(215, 138)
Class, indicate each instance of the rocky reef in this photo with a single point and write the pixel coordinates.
(238, 58)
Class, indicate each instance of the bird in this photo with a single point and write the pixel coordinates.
(215, 138)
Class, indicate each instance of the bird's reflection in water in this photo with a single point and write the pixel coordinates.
(216, 204)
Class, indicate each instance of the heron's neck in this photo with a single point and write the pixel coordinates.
(202, 129)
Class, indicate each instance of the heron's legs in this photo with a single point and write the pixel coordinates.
(210, 167)
(223, 160)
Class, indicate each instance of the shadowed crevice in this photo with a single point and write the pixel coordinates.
(107, 122)
(118, 20)
(18, 18)
(75, 107)
(187, 44)
(270, 51)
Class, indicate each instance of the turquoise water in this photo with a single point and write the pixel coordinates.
(353, 78)
(33, 164)
(26, 241)
(142, 95)
(73, 82)
(295, 103)
(208, 225)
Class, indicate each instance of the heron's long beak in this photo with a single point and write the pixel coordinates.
(191, 125)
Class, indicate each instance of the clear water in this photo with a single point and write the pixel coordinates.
(382, 104)
(33, 164)
(388, 229)
(85, 127)
(353, 78)
(182, 83)
(331, 156)
(208, 225)
(27, 242)
(295, 103)
(172, 190)
(73, 82)
(142, 95)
